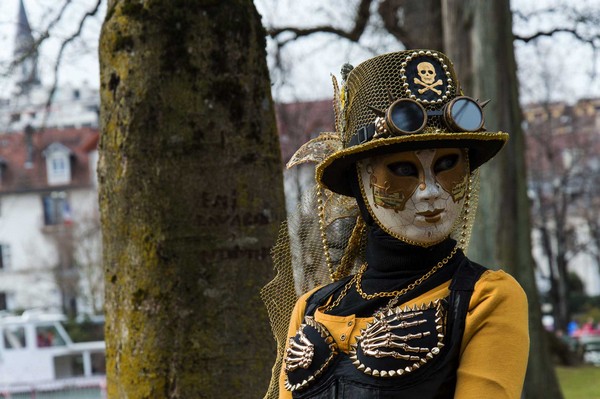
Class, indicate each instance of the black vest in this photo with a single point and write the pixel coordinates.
(436, 379)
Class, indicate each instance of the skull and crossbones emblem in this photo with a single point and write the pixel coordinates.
(427, 76)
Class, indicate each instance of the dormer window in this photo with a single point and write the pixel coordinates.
(58, 164)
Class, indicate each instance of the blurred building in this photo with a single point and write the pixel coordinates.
(48, 215)
(49, 225)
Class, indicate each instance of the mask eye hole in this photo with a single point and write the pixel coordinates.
(403, 169)
(446, 162)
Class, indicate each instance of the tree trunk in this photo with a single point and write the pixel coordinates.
(191, 198)
(478, 38)
(562, 283)
(416, 24)
(553, 278)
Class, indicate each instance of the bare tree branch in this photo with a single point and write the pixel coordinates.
(63, 46)
(363, 14)
(538, 13)
(589, 40)
(577, 19)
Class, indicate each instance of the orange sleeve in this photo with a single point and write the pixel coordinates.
(295, 322)
(495, 344)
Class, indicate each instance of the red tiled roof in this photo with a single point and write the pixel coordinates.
(91, 143)
(16, 177)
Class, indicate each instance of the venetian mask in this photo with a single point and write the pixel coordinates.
(416, 196)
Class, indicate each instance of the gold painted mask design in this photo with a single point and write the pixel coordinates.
(416, 196)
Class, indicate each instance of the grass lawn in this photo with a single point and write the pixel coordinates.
(579, 382)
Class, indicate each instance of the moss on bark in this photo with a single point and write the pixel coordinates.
(191, 198)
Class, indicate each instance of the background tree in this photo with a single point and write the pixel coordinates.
(190, 198)
(591, 212)
(558, 172)
(88, 258)
(562, 160)
(478, 37)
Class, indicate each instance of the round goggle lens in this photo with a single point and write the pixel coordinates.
(407, 116)
(466, 115)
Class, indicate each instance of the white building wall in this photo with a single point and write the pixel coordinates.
(71, 107)
(28, 280)
(88, 249)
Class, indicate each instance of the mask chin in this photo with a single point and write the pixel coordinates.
(419, 208)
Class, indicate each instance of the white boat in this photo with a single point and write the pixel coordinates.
(37, 354)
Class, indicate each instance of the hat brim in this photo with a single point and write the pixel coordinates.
(335, 170)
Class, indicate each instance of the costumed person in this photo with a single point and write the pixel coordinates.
(407, 315)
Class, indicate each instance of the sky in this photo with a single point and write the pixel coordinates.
(309, 63)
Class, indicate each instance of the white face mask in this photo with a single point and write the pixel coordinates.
(416, 196)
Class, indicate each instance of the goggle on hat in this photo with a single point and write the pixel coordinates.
(405, 101)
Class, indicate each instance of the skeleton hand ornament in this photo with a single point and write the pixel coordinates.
(406, 338)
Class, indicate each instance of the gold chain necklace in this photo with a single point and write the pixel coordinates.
(403, 291)
(344, 291)
(357, 279)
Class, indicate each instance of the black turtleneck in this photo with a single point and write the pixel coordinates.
(393, 265)
(386, 255)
